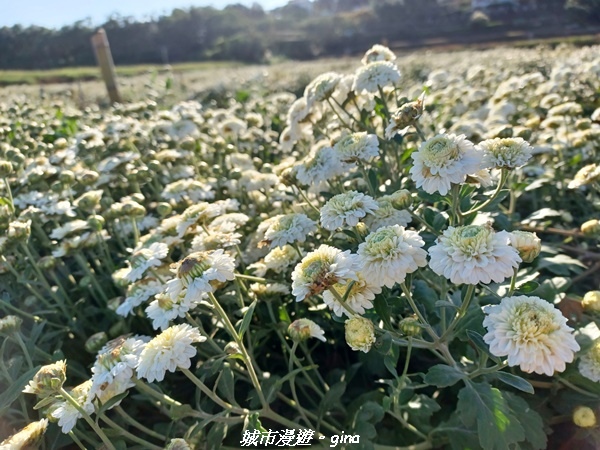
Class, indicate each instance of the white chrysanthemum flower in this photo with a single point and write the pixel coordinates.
(165, 308)
(386, 215)
(145, 258)
(200, 273)
(215, 239)
(358, 146)
(586, 175)
(187, 188)
(347, 208)
(280, 258)
(168, 351)
(253, 180)
(390, 253)
(303, 329)
(199, 212)
(114, 367)
(531, 332)
(235, 219)
(474, 254)
(443, 160)
(286, 229)
(375, 75)
(66, 413)
(322, 268)
(589, 363)
(321, 88)
(69, 228)
(137, 294)
(378, 53)
(361, 296)
(319, 166)
(232, 127)
(527, 244)
(28, 437)
(507, 153)
(270, 289)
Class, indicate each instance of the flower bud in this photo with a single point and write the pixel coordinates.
(410, 326)
(89, 200)
(48, 380)
(584, 417)
(360, 334)
(591, 301)
(66, 177)
(288, 177)
(164, 209)
(29, 437)
(178, 444)
(362, 229)
(188, 143)
(10, 325)
(303, 329)
(95, 342)
(6, 168)
(527, 244)
(401, 199)
(232, 348)
(591, 228)
(408, 114)
(88, 177)
(47, 262)
(96, 222)
(133, 209)
(19, 231)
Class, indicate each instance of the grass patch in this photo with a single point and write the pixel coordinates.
(73, 74)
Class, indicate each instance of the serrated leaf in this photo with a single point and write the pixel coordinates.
(532, 422)
(515, 381)
(15, 389)
(247, 319)
(443, 376)
(481, 405)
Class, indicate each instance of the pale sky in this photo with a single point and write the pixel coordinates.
(57, 13)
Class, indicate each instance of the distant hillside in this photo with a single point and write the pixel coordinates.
(302, 29)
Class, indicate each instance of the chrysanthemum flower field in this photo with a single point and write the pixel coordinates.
(404, 256)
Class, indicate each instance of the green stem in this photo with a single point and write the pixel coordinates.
(416, 310)
(513, 282)
(503, 178)
(293, 385)
(234, 334)
(210, 394)
(128, 435)
(24, 348)
(419, 131)
(461, 312)
(134, 423)
(88, 419)
(76, 440)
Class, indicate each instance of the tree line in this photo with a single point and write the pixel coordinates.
(250, 34)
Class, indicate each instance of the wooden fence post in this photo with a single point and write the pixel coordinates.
(107, 66)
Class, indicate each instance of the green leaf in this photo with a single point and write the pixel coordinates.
(112, 402)
(283, 315)
(477, 339)
(484, 406)
(12, 393)
(443, 376)
(332, 397)
(226, 384)
(216, 436)
(252, 422)
(247, 319)
(383, 310)
(390, 360)
(515, 381)
(530, 420)
(528, 288)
